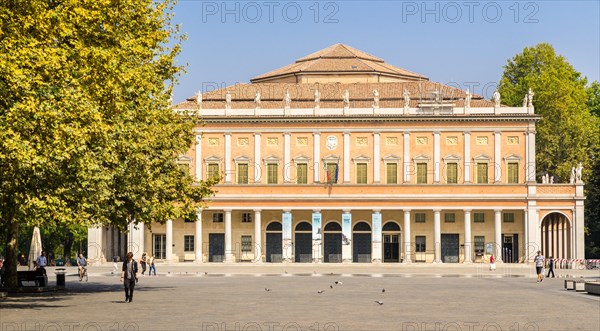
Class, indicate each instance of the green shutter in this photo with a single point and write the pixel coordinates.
(361, 173)
(301, 173)
(421, 173)
(391, 173)
(452, 173)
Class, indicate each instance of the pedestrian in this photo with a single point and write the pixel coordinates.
(115, 264)
(550, 267)
(151, 264)
(492, 263)
(41, 262)
(129, 276)
(143, 263)
(539, 265)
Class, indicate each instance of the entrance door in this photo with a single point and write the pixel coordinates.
(216, 247)
(450, 248)
(303, 247)
(510, 248)
(361, 247)
(159, 246)
(391, 248)
(332, 247)
(274, 247)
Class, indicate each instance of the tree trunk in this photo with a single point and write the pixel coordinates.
(11, 254)
(68, 245)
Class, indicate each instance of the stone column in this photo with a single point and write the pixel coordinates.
(198, 237)
(467, 161)
(317, 243)
(286, 157)
(227, 160)
(497, 157)
(257, 236)
(198, 158)
(347, 249)
(376, 249)
(579, 234)
(316, 156)
(406, 169)
(169, 244)
(228, 237)
(468, 238)
(407, 237)
(257, 164)
(533, 240)
(135, 240)
(96, 245)
(436, 157)
(530, 156)
(498, 234)
(376, 158)
(346, 157)
(437, 237)
(287, 254)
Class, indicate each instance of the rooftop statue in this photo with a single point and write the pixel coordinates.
(346, 98)
(496, 98)
(468, 99)
(287, 99)
(228, 100)
(257, 99)
(578, 172)
(199, 100)
(406, 96)
(530, 98)
(375, 99)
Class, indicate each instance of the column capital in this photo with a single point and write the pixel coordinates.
(227, 133)
(347, 211)
(227, 210)
(376, 133)
(406, 210)
(346, 133)
(257, 210)
(286, 133)
(497, 211)
(257, 133)
(406, 132)
(467, 210)
(316, 133)
(497, 132)
(316, 210)
(466, 132)
(436, 133)
(437, 211)
(377, 211)
(287, 210)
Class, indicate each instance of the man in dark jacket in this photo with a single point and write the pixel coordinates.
(129, 276)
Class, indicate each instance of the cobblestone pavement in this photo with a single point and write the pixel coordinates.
(235, 299)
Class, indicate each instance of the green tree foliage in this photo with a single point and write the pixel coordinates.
(87, 135)
(594, 98)
(568, 132)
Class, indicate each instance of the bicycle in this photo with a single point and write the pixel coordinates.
(83, 274)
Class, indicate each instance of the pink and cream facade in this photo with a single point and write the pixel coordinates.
(341, 157)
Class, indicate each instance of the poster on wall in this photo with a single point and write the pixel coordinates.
(346, 228)
(287, 226)
(377, 227)
(316, 225)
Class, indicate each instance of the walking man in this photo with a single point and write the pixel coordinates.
(41, 262)
(550, 267)
(129, 276)
(539, 265)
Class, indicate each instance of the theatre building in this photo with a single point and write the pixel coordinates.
(341, 157)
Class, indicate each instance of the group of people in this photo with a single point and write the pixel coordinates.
(540, 262)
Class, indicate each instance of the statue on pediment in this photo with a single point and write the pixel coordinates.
(228, 100)
(257, 99)
(287, 99)
(468, 99)
(572, 178)
(530, 98)
(317, 97)
(375, 99)
(525, 101)
(496, 98)
(406, 96)
(199, 100)
(578, 173)
(346, 98)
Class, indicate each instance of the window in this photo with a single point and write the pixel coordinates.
(246, 217)
(272, 172)
(332, 172)
(482, 173)
(188, 243)
(478, 217)
(449, 217)
(189, 220)
(246, 243)
(361, 173)
(513, 173)
(479, 245)
(217, 217)
(302, 173)
(391, 173)
(421, 173)
(452, 173)
(509, 217)
(242, 173)
(419, 217)
(420, 244)
(212, 170)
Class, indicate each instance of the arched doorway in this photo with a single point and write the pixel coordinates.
(274, 247)
(303, 242)
(361, 242)
(332, 242)
(391, 242)
(556, 236)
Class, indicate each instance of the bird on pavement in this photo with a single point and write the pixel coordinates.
(338, 282)
(379, 302)
(382, 290)
(320, 291)
(267, 289)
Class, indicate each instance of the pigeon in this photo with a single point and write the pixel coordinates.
(379, 302)
(286, 271)
(338, 282)
(267, 289)
(320, 291)
(205, 273)
(330, 286)
(383, 291)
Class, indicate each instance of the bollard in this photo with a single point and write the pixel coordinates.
(60, 277)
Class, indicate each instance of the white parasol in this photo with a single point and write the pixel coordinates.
(35, 249)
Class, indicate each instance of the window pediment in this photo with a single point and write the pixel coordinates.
(184, 159)
(213, 159)
(512, 157)
(331, 158)
(451, 158)
(482, 157)
(361, 158)
(242, 159)
(422, 158)
(391, 158)
(301, 159)
(271, 159)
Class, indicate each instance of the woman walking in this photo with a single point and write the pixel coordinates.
(143, 263)
(152, 267)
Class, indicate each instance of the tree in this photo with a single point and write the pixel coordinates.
(568, 131)
(593, 102)
(87, 136)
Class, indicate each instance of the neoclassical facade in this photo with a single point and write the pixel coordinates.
(340, 157)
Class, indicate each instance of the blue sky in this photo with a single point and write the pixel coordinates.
(462, 43)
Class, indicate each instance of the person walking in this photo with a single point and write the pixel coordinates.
(151, 264)
(41, 262)
(492, 263)
(539, 265)
(143, 263)
(129, 276)
(115, 264)
(550, 267)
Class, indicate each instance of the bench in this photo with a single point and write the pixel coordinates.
(38, 277)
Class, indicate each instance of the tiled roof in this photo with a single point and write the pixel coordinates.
(303, 95)
(339, 58)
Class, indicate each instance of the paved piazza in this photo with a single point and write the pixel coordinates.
(222, 298)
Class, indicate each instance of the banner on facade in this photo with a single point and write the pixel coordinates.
(287, 226)
(377, 227)
(346, 228)
(316, 225)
